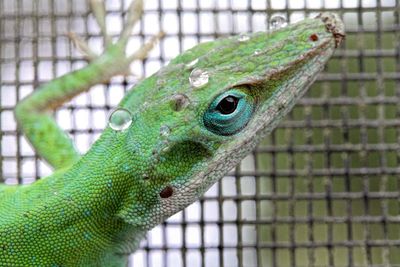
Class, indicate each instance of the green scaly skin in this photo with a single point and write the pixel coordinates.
(95, 208)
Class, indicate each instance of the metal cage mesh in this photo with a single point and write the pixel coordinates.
(321, 190)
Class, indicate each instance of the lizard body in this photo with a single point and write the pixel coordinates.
(172, 137)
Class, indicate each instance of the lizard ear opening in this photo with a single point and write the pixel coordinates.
(229, 112)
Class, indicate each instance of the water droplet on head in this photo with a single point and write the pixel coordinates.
(120, 119)
(257, 52)
(192, 63)
(161, 82)
(164, 131)
(164, 146)
(179, 102)
(277, 21)
(243, 38)
(198, 78)
(145, 105)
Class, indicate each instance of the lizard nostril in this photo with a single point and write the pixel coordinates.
(314, 37)
(167, 192)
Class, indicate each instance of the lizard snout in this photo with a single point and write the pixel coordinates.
(334, 25)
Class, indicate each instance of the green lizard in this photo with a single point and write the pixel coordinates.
(172, 137)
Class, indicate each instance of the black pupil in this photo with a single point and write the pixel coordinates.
(227, 105)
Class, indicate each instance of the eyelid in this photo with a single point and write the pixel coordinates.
(233, 92)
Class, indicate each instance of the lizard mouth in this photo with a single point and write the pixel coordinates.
(334, 25)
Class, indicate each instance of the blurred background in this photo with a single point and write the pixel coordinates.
(322, 190)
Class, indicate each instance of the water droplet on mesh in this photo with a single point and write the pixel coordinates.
(243, 38)
(257, 52)
(277, 21)
(120, 119)
(165, 131)
(192, 63)
(198, 78)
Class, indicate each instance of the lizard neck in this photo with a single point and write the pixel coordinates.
(97, 187)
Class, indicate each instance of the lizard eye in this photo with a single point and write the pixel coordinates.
(228, 104)
(229, 112)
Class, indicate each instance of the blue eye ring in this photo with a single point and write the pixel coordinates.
(229, 112)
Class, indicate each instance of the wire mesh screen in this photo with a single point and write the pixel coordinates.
(321, 190)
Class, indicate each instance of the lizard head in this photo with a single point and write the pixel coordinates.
(196, 118)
